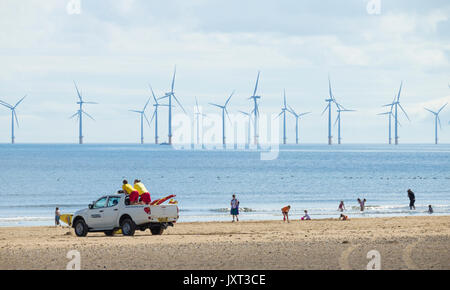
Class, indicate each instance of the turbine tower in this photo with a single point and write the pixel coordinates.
(330, 100)
(436, 120)
(142, 113)
(249, 115)
(224, 111)
(155, 114)
(13, 116)
(198, 114)
(338, 120)
(283, 112)
(297, 117)
(171, 95)
(80, 113)
(396, 105)
(255, 111)
(389, 113)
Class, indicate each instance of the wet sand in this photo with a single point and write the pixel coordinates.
(403, 243)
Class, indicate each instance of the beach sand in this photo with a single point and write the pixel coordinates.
(403, 243)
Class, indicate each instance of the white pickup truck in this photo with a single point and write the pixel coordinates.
(113, 212)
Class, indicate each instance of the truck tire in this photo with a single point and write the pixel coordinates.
(157, 229)
(128, 227)
(109, 233)
(81, 229)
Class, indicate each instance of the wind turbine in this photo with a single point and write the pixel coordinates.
(389, 113)
(155, 114)
(224, 111)
(171, 95)
(13, 116)
(249, 115)
(198, 113)
(283, 112)
(80, 113)
(436, 120)
(338, 120)
(330, 100)
(396, 105)
(256, 109)
(142, 113)
(297, 117)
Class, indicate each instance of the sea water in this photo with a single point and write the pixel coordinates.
(36, 178)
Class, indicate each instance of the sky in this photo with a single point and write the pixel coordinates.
(114, 49)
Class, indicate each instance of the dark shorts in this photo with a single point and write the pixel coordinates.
(145, 197)
(234, 211)
(134, 196)
(411, 202)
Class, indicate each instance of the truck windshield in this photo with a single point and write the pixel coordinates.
(100, 203)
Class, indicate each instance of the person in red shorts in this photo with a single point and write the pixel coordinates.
(143, 192)
(133, 193)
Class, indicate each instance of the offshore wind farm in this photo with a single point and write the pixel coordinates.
(252, 112)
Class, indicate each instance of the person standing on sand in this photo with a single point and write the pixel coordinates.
(412, 199)
(57, 216)
(341, 207)
(235, 208)
(362, 204)
(285, 212)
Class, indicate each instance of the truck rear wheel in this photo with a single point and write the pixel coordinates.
(128, 227)
(157, 229)
(81, 229)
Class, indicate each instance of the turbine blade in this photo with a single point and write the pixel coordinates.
(179, 103)
(6, 104)
(76, 114)
(226, 103)
(153, 116)
(173, 79)
(145, 107)
(256, 86)
(88, 115)
(404, 112)
(145, 116)
(399, 91)
(442, 108)
(439, 120)
(279, 115)
(303, 114)
(136, 111)
(326, 108)
(78, 92)
(434, 113)
(20, 101)
(15, 117)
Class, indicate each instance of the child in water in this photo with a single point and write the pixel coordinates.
(430, 209)
(341, 207)
(362, 204)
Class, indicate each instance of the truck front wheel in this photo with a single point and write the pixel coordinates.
(81, 229)
(128, 227)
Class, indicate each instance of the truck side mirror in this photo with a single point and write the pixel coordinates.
(91, 206)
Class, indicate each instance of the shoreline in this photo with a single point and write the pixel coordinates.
(296, 218)
(403, 243)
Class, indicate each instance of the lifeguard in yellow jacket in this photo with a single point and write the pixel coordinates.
(143, 192)
(131, 191)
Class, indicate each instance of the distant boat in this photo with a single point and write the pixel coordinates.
(165, 143)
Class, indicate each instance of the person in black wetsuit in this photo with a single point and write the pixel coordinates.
(412, 199)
